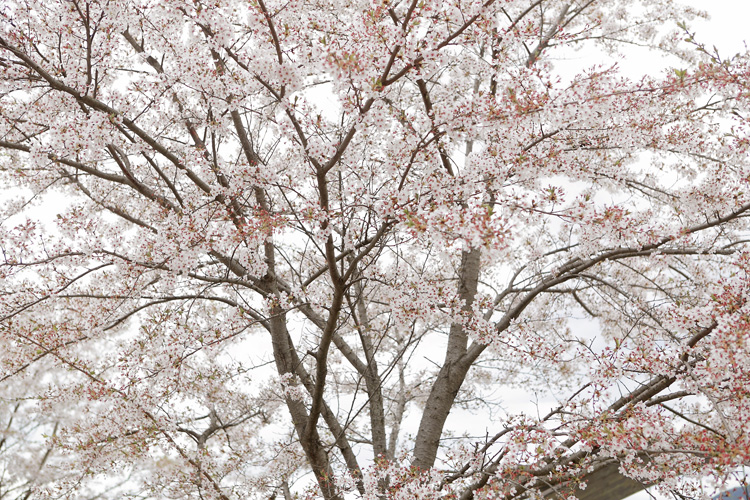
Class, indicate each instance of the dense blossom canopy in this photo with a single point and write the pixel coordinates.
(267, 248)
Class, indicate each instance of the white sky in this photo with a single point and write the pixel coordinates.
(727, 28)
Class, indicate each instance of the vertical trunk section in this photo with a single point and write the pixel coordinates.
(372, 380)
(453, 372)
(317, 456)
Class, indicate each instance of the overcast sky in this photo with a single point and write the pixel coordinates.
(727, 28)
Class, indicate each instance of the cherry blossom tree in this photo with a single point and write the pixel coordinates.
(315, 249)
